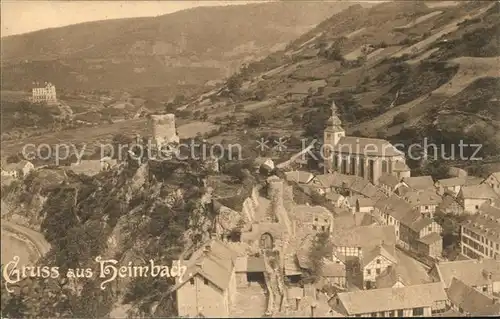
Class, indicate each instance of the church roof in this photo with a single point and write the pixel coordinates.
(366, 146)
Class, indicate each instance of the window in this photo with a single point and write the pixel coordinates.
(485, 289)
(323, 228)
(377, 271)
(400, 313)
(191, 281)
(430, 228)
(314, 227)
(426, 207)
(477, 207)
(374, 314)
(205, 281)
(315, 219)
(368, 272)
(378, 261)
(418, 311)
(391, 313)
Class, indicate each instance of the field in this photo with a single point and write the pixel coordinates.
(93, 136)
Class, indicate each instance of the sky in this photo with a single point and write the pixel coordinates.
(26, 16)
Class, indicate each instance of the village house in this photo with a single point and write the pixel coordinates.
(17, 170)
(391, 211)
(454, 185)
(401, 170)
(483, 275)
(480, 235)
(209, 287)
(423, 201)
(368, 158)
(299, 177)
(410, 301)
(249, 270)
(375, 261)
(312, 218)
(350, 242)
(305, 302)
(406, 272)
(471, 302)
(494, 182)
(360, 204)
(419, 182)
(336, 199)
(421, 235)
(346, 185)
(472, 197)
(388, 183)
(450, 205)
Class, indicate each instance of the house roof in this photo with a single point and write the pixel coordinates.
(415, 221)
(389, 180)
(352, 182)
(364, 236)
(400, 167)
(333, 196)
(307, 213)
(333, 269)
(460, 181)
(366, 146)
(481, 191)
(407, 270)
(386, 299)
(395, 206)
(214, 261)
(496, 175)
(385, 251)
(430, 239)
(300, 177)
(470, 271)
(348, 220)
(471, 300)
(419, 182)
(423, 197)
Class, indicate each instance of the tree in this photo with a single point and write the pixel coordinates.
(255, 120)
(321, 248)
(400, 118)
(451, 232)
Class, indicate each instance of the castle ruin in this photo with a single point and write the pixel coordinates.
(163, 129)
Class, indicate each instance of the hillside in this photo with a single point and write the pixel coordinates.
(188, 47)
(403, 71)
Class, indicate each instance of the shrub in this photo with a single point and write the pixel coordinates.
(400, 118)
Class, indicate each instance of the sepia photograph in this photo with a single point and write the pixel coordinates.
(249, 159)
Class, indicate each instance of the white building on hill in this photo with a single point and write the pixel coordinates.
(44, 94)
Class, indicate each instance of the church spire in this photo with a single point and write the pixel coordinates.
(334, 109)
(334, 119)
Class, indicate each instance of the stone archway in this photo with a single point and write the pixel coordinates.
(266, 241)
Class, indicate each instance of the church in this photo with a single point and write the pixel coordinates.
(369, 158)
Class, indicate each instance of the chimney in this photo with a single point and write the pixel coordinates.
(207, 248)
(313, 306)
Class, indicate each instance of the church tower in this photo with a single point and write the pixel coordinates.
(332, 135)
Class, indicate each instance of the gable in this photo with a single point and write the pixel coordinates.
(383, 260)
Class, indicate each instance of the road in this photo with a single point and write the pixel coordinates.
(38, 240)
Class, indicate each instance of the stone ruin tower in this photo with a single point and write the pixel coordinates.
(163, 129)
(276, 194)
